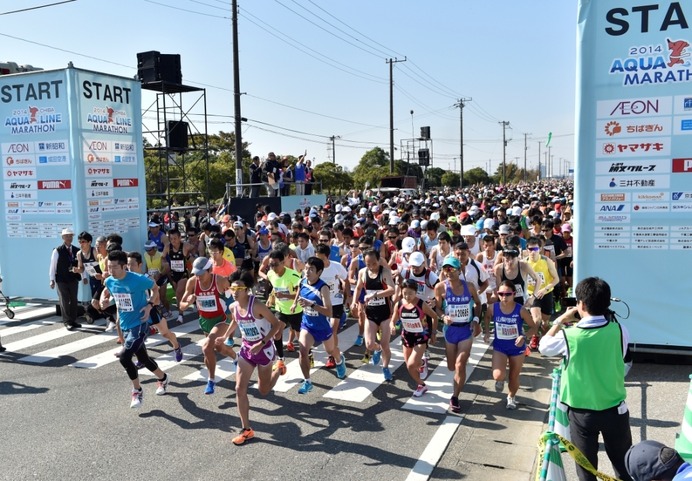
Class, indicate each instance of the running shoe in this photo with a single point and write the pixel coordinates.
(119, 353)
(178, 354)
(137, 398)
(387, 374)
(312, 360)
(420, 390)
(454, 405)
(280, 366)
(366, 358)
(359, 340)
(139, 365)
(331, 363)
(180, 318)
(305, 388)
(110, 327)
(152, 330)
(245, 435)
(162, 385)
(499, 386)
(558, 306)
(511, 403)
(342, 320)
(290, 347)
(229, 342)
(534, 343)
(379, 336)
(377, 357)
(210, 387)
(398, 325)
(341, 368)
(423, 369)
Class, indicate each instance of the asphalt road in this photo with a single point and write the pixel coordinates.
(66, 416)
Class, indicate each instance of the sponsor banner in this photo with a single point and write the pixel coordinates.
(21, 185)
(98, 171)
(655, 208)
(658, 166)
(632, 148)
(54, 184)
(635, 107)
(292, 202)
(631, 182)
(94, 193)
(626, 128)
(125, 182)
(19, 160)
(99, 183)
(634, 114)
(20, 173)
(682, 165)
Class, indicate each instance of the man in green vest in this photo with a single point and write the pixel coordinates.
(593, 376)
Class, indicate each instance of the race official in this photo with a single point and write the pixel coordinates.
(63, 273)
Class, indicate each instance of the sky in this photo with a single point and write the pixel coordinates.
(315, 69)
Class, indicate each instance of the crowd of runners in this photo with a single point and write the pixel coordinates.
(439, 268)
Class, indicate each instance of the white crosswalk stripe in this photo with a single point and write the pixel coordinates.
(360, 384)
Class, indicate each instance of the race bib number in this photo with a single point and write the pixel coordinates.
(412, 325)
(459, 312)
(540, 275)
(506, 331)
(178, 266)
(375, 301)
(282, 290)
(123, 302)
(250, 332)
(421, 289)
(153, 272)
(90, 268)
(207, 303)
(310, 311)
(518, 290)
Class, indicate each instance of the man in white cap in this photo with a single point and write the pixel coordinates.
(63, 263)
(208, 291)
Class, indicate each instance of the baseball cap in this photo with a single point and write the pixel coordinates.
(238, 224)
(649, 460)
(416, 259)
(504, 229)
(201, 265)
(566, 228)
(393, 220)
(263, 231)
(153, 224)
(511, 252)
(271, 216)
(408, 244)
(150, 245)
(468, 229)
(415, 224)
(452, 261)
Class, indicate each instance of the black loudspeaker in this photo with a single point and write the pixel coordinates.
(424, 157)
(156, 67)
(425, 133)
(177, 135)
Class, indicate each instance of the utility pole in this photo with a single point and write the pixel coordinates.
(549, 164)
(505, 124)
(461, 104)
(526, 147)
(236, 104)
(391, 63)
(539, 159)
(333, 139)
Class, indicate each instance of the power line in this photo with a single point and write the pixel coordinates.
(186, 10)
(37, 7)
(212, 6)
(351, 70)
(386, 54)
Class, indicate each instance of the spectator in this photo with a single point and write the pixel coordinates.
(255, 177)
(309, 177)
(299, 175)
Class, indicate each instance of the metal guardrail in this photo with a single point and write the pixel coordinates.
(244, 189)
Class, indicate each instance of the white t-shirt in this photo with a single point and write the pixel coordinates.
(332, 276)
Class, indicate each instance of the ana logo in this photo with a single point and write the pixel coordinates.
(612, 208)
(612, 128)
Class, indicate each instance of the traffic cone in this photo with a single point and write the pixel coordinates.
(683, 443)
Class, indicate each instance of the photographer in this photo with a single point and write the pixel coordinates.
(593, 375)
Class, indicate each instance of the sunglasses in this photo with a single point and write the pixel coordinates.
(324, 240)
(392, 236)
(448, 268)
(353, 246)
(534, 249)
(83, 242)
(547, 230)
(237, 288)
(505, 294)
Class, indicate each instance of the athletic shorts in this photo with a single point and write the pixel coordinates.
(377, 314)
(411, 339)
(177, 276)
(507, 347)
(262, 358)
(456, 334)
(319, 335)
(207, 324)
(545, 303)
(291, 320)
(162, 280)
(337, 311)
(154, 315)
